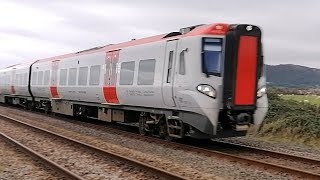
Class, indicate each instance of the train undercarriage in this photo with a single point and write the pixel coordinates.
(162, 124)
(153, 124)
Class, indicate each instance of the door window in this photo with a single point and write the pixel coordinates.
(170, 67)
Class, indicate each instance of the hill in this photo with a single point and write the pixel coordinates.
(290, 75)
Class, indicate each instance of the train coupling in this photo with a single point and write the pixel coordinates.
(241, 121)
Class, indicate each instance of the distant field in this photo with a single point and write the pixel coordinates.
(312, 99)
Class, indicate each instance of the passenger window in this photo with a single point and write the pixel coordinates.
(25, 79)
(63, 77)
(83, 76)
(94, 75)
(40, 78)
(72, 78)
(146, 72)
(46, 78)
(21, 79)
(127, 73)
(16, 81)
(34, 78)
(170, 67)
(182, 66)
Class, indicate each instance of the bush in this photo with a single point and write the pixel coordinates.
(291, 119)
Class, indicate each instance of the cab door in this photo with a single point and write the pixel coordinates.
(168, 75)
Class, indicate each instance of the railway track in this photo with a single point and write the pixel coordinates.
(245, 148)
(225, 146)
(47, 162)
(70, 175)
(224, 152)
(236, 156)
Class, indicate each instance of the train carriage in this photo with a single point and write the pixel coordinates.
(203, 81)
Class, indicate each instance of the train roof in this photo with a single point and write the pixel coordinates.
(17, 66)
(202, 29)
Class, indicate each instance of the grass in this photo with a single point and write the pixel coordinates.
(289, 120)
(312, 99)
(280, 132)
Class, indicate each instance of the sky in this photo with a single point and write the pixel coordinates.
(34, 29)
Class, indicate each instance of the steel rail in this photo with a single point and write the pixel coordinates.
(265, 152)
(209, 152)
(162, 173)
(215, 153)
(45, 161)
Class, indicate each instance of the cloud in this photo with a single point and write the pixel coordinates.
(35, 29)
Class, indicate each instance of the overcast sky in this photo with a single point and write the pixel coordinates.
(33, 29)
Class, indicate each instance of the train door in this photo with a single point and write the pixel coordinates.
(168, 75)
(54, 79)
(110, 77)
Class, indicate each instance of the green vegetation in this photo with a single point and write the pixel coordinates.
(312, 99)
(291, 120)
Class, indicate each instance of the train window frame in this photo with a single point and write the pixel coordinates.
(72, 77)
(21, 81)
(94, 79)
(16, 80)
(127, 78)
(34, 78)
(40, 78)
(182, 62)
(63, 77)
(170, 64)
(46, 78)
(83, 76)
(142, 73)
(216, 40)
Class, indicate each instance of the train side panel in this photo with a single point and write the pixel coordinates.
(40, 79)
(142, 86)
(7, 79)
(21, 81)
(73, 78)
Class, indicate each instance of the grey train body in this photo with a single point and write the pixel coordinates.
(170, 85)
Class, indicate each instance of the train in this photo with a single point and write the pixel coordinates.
(203, 81)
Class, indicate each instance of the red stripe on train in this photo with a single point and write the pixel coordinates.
(54, 91)
(246, 71)
(110, 94)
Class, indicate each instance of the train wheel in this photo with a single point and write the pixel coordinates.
(169, 138)
(163, 131)
(30, 105)
(142, 125)
(47, 108)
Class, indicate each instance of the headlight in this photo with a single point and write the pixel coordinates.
(261, 92)
(207, 90)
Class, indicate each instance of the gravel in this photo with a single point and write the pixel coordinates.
(77, 159)
(284, 147)
(14, 164)
(178, 160)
